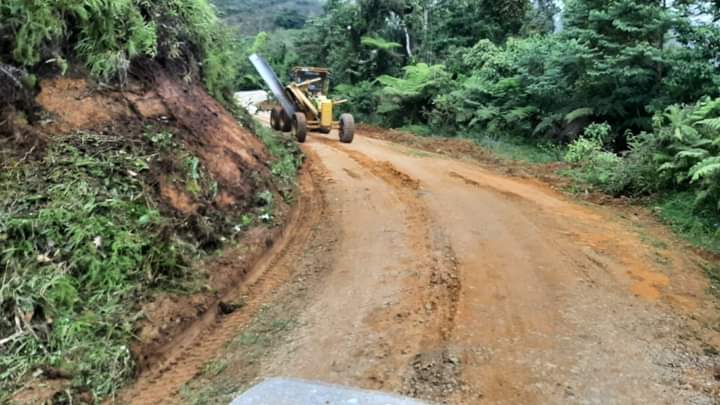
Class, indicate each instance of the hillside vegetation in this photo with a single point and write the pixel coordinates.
(107, 36)
(107, 203)
(630, 87)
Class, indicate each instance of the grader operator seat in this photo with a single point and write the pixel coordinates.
(305, 74)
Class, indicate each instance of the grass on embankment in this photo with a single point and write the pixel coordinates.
(503, 146)
(700, 228)
(85, 239)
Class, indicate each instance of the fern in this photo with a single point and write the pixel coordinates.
(406, 97)
(706, 168)
(487, 112)
(520, 113)
(379, 43)
(712, 123)
(578, 113)
(692, 153)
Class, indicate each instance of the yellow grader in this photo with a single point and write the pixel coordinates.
(304, 103)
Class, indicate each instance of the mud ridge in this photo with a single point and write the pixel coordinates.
(433, 373)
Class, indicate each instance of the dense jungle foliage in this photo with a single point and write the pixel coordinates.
(631, 86)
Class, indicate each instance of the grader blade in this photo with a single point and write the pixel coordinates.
(273, 83)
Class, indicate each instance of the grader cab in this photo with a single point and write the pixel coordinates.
(304, 102)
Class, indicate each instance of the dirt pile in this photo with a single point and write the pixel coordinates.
(233, 155)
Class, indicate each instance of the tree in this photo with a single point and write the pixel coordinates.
(461, 23)
(627, 83)
(540, 18)
(290, 19)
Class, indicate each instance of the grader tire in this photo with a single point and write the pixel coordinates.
(347, 128)
(285, 121)
(275, 114)
(299, 127)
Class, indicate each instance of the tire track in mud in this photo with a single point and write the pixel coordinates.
(434, 372)
(161, 384)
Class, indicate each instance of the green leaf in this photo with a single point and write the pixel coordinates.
(706, 168)
(578, 113)
(379, 43)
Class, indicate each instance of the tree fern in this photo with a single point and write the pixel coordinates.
(712, 123)
(694, 153)
(578, 113)
(520, 113)
(379, 43)
(709, 167)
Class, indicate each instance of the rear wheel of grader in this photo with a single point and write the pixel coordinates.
(299, 127)
(347, 128)
(275, 114)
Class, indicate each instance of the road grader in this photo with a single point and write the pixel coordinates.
(304, 103)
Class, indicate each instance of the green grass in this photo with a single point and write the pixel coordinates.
(701, 228)
(506, 147)
(521, 150)
(84, 240)
(287, 156)
(418, 129)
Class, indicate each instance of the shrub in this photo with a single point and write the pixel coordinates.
(590, 144)
(362, 100)
(688, 149)
(594, 165)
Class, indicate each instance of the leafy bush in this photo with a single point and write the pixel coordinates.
(513, 89)
(363, 100)
(594, 165)
(638, 173)
(587, 146)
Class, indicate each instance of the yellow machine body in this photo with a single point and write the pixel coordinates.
(309, 90)
(326, 113)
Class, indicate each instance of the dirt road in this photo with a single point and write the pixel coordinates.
(442, 280)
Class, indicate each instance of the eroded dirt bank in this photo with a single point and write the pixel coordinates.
(442, 280)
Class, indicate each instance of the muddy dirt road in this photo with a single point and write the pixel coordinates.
(442, 280)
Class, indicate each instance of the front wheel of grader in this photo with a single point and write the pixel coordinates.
(275, 118)
(347, 128)
(299, 127)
